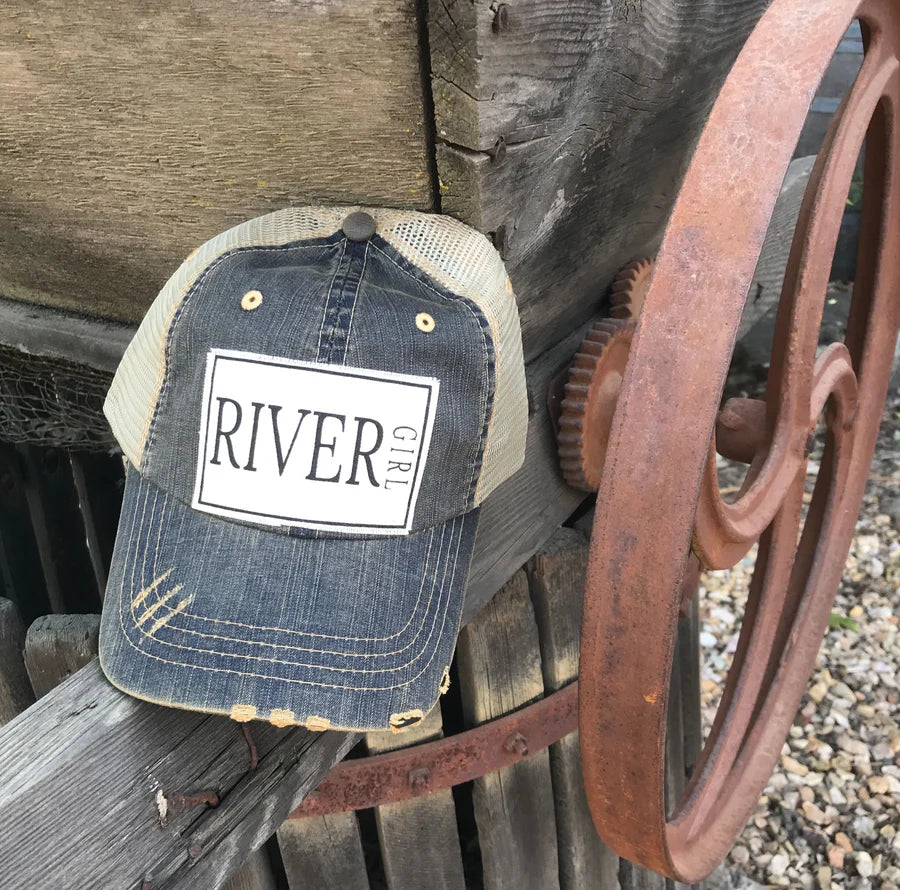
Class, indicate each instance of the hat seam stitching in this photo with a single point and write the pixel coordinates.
(138, 625)
(271, 677)
(264, 628)
(475, 311)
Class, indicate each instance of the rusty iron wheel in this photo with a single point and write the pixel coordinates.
(659, 489)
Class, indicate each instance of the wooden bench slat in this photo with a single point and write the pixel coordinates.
(557, 586)
(89, 755)
(15, 690)
(419, 840)
(499, 666)
(324, 852)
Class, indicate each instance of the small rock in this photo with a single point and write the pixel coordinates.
(823, 876)
(707, 640)
(843, 842)
(740, 855)
(813, 813)
(793, 766)
(818, 691)
(853, 746)
(835, 856)
(779, 864)
(842, 690)
(864, 865)
(879, 784)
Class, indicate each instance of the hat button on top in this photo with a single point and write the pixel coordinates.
(359, 226)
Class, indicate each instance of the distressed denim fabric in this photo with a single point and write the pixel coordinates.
(355, 634)
(328, 628)
(342, 303)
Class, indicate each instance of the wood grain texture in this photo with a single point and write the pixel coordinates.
(15, 690)
(499, 664)
(323, 852)
(58, 645)
(419, 839)
(525, 510)
(255, 874)
(765, 290)
(557, 575)
(83, 767)
(132, 133)
(599, 106)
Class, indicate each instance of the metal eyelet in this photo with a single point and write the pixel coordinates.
(424, 322)
(251, 300)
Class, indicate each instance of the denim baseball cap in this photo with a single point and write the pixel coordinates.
(311, 413)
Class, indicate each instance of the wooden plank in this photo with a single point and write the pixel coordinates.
(132, 133)
(556, 575)
(21, 576)
(528, 508)
(633, 877)
(85, 764)
(100, 483)
(255, 874)
(15, 690)
(323, 852)
(59, 530)
(689, 656)
(599, 106)
(419, 839)
(765, 289)
(499, 664)
(57, 646)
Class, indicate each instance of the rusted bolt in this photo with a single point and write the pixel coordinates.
(177, 803)
(516, 744)
(195, 851)
(501, 19)
(497, 151)
(418, 778)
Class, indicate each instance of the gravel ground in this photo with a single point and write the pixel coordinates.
(830, 816)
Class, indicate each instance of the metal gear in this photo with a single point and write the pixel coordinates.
(629, 289)
(591, 390)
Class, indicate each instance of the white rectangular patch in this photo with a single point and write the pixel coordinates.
(285, 442)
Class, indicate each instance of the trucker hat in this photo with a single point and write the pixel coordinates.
(311, 413)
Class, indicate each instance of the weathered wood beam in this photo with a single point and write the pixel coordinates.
(132, 132)
(83, 772)
(565, 129)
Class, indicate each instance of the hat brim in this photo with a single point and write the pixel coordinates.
(210, 615)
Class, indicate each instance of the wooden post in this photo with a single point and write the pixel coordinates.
(557, 585)
(15, 690)
(499, 662)
(419, 840)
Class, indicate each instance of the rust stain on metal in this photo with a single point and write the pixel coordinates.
(666, 427)
(443, 763)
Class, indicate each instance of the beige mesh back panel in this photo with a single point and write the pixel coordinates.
(459, 258)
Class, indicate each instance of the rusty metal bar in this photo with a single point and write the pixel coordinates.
(443, 763)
